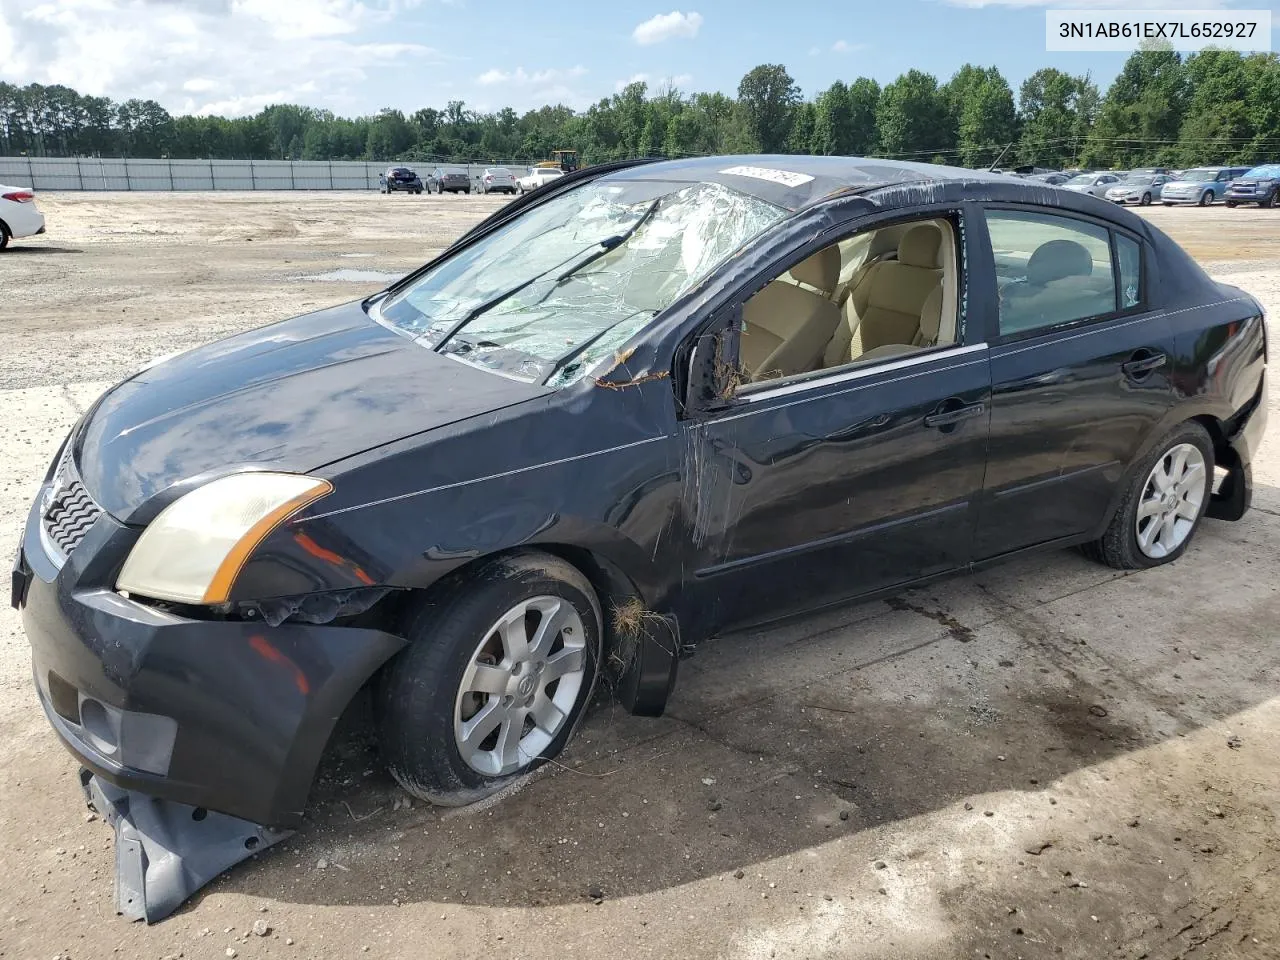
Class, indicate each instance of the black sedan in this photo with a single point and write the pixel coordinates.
(399, 178)
(642, 405)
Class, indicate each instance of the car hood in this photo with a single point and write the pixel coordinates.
(292, 396)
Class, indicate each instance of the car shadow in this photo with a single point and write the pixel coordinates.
(783, 739)
(16, 248)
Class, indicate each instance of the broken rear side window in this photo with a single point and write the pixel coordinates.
(555, 291)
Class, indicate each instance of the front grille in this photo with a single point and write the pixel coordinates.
(69, 511)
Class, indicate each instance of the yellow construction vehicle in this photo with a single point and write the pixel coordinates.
(566, 160)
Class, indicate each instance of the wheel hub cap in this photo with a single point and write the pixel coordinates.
(520, 686)
(1171, 501)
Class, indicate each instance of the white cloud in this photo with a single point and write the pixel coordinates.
(205, 56)
(621, 85)
(667, 26)
(815, 51)
(677, 82)
(523, 78)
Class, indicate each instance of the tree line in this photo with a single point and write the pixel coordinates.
(1163, 108)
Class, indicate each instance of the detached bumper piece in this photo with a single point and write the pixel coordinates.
(166, 851)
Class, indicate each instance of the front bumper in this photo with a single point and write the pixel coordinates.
(227, 716)
(404, 184)
(1247, 196)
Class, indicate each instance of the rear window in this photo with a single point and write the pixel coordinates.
(499, 171)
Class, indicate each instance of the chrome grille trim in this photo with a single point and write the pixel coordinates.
(67, 511)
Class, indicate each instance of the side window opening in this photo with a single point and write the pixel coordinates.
(873, 295)
(1050, 270)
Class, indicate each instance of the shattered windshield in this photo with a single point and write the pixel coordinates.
(547, 296)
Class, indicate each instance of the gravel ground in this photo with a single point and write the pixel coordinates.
(1048, 759)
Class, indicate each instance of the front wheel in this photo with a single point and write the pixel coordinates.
(1146, 200)
(1206, 198)
(1230, 203)
(494, 680)
(1167, 495)
(1268, 200)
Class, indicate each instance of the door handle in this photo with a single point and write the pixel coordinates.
(1142, 363)
(947, 417)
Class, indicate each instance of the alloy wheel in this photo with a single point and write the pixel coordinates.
(520, 685)
(1171, 501)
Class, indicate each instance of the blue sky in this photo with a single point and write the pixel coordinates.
(355, 56)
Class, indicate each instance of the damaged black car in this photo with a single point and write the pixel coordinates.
(642, 405)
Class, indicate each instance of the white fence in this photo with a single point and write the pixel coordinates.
(91, 173)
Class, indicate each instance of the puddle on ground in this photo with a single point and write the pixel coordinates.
(348, 275)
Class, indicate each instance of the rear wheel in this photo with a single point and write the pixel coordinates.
(1167, 495)
(5, 235)
(494, 680)
(1206, 198)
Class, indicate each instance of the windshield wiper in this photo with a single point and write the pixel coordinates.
(610, 243)
(607, 244)
(573, 353)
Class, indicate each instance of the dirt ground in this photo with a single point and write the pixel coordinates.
(1047, 759)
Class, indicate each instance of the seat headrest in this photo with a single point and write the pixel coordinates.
(821, 271)
(919, 246)
(1057, 259)
(931, 317)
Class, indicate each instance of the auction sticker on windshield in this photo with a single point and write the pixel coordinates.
(784, 177)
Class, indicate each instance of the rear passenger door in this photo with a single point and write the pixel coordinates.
(1080, 374)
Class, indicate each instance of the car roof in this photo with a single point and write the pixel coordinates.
(797, 182)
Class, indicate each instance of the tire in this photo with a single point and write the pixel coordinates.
(467, 191)
(1268, 200)
(5, 235)
(1206, 198)
(1229, 203)
(1120, 546)
(1167, 203)
(423, 698)
(1145, 201)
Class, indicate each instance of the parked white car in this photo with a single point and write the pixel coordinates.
(18, 214)
(537, 176)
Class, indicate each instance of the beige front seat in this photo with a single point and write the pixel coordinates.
(786, 327)
(926, 332)
(886, 307)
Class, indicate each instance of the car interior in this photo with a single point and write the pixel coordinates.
(880, 293)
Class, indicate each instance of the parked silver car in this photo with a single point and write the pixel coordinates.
(1139, 188)
(1201, 186)
(1091, 183)
(498, 180)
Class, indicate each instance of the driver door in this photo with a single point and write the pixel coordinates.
(819, 485)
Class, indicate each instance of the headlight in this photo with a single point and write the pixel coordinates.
(192, 551)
